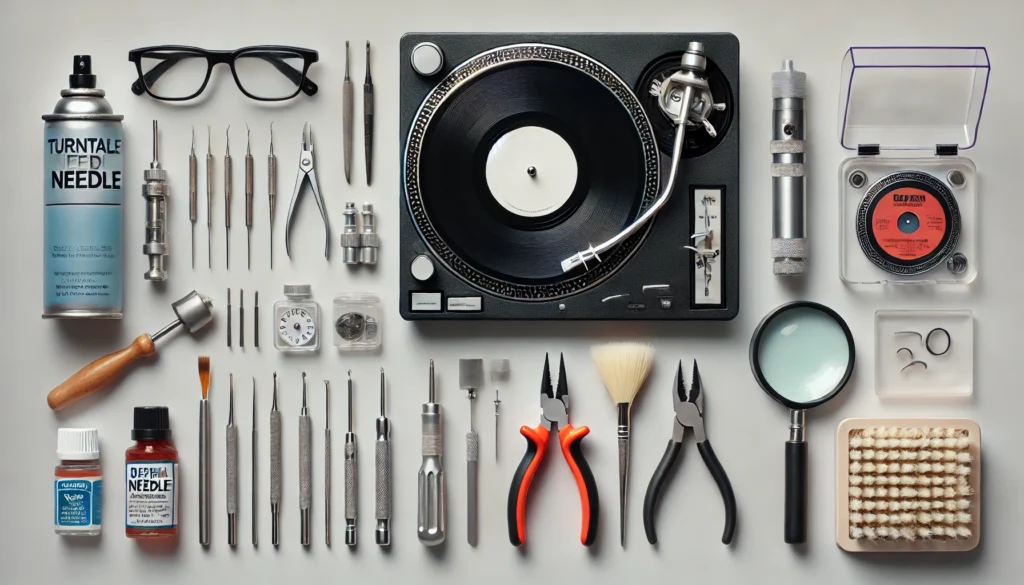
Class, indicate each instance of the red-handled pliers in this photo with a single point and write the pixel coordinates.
(554, 408)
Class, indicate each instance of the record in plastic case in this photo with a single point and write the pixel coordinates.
(908, 200)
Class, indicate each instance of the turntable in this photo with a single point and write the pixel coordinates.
(569, 176)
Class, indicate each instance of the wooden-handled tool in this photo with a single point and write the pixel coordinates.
(193, 311)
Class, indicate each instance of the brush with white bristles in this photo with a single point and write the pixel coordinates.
(624, 368)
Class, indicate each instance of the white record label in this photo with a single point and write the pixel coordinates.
(531, 171)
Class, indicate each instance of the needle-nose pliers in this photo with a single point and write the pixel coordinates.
(689, 409)
(554, 407)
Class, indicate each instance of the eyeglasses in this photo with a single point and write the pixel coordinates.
(266, 72)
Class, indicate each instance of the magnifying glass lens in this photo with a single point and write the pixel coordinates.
(803, 354)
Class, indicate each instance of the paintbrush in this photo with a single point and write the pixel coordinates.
(624, 368)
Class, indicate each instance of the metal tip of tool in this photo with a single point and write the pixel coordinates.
(248, 140)
(382, 385)
(231, 399)
(273, 406)
(227, 144)
(327, 403)
(303, 390)
(193, 140)
(346, 61)
(430, 383)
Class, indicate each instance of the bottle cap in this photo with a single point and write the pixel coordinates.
(81, 73)
(78, 444)
(152, 423)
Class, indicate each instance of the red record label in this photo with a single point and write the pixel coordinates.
(908, 223)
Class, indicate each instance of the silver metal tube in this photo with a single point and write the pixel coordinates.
(797, 425)
(204, 472)
(789, 222)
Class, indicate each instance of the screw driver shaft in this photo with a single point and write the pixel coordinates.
(255, 474)
(327, 464)
(227, 199)
(249, 168)
(193, 193)
(209, 197)
(272, 190)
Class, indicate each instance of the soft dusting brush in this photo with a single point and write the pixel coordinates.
(204, 451)
(908, 485)
(624, 368)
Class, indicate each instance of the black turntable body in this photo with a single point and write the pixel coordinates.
(522, 153)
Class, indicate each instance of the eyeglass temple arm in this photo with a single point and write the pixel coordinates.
(171, 59)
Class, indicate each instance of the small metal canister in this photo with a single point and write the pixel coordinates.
(83, 199)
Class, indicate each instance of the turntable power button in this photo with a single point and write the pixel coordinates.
(422, 268)
(427, 59)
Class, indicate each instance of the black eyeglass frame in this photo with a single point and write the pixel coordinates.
(302, 82)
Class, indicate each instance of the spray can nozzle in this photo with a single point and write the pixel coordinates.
(81, 73)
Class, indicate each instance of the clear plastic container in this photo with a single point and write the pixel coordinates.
(904, 366)
(908, 201)
(357, 322)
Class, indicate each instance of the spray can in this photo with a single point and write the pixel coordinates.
(83, 199)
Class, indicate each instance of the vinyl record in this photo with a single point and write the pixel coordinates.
(908, 223)
(523, 156)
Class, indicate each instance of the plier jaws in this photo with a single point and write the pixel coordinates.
(689, 413)
(307, 170)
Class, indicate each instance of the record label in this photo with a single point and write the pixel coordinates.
(908, 223)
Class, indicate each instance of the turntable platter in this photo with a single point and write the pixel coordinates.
(520, 157)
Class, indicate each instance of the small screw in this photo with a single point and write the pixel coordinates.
(857, 179)
(956, 179)
(957, 263)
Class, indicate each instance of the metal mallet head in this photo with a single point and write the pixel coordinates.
(194, 311)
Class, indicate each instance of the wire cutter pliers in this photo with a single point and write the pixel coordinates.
(306, 170)
(689, 408)
(554, 414)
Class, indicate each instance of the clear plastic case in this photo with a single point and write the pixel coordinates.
(908, 201)
(902, 339)
(357, 322)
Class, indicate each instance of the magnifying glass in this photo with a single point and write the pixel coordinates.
(802, 355)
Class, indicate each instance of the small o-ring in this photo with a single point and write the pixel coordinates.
(906, 349)
(928, 344)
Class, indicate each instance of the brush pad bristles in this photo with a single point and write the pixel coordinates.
(623, 368)
(910, 484)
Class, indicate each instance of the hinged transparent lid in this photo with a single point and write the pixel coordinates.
(912, 98)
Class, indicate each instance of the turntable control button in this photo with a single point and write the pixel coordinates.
(422, 268)
(427, 59)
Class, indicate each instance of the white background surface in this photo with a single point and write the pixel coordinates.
(37, 41)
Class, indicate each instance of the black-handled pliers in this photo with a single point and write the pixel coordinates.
(689, 409)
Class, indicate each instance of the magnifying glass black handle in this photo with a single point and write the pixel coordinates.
(796, 492)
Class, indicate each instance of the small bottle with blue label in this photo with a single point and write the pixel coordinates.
(77, 483)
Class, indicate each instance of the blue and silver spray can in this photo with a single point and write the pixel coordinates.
(83, 202)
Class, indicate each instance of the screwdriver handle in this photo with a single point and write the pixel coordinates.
(193, 188)
(227, 190)
(430, 517)
(382, 456)
(99, 373)
(350, 489)
(305, 477)
(472, 461)
(275, 473)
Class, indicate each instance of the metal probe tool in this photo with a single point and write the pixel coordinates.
(272, 190)
(368, 116)
(369, 241)
(231, 465)
(350, 473)
(229, 317)
(227, 199)
(155, 191)
(499, 374)
(275, 470)
(209, 197)
(350, 234)
(382, 456)
(430, 515)
(241, 317)
(347, 114)
(193, 193)
(305, 469)
(471, 378)
(256, 322)
(789, 205)
(327, 464)
(255, 474)
(248, 197)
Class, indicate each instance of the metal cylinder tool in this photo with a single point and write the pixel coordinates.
(249, 168)
(193, 193)
(272, 191)
(368, 239)
(231, 465)
(430, 516)
(227, 198)
(789, 206)
(275, 470)
(350, 234)
(155, 191)
(350, 473)
(327, 463)
(382, 457)
(471, 378)
(194, 311)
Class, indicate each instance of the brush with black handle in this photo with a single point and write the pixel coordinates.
(624, 368)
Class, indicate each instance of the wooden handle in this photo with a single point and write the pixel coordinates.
(99, 373)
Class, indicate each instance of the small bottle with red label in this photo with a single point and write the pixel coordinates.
(151, 477)
(77, 483)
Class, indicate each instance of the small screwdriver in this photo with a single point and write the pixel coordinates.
(231, 467)
(255, 468)
(430, 517)
(305, 469)
(241, 317)
(248, 197)
(193, 193)
(275, 470)
(327, 464)
(209, 197)
(382, 453)
(350, 473)
(272, 190)
(227, 200)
